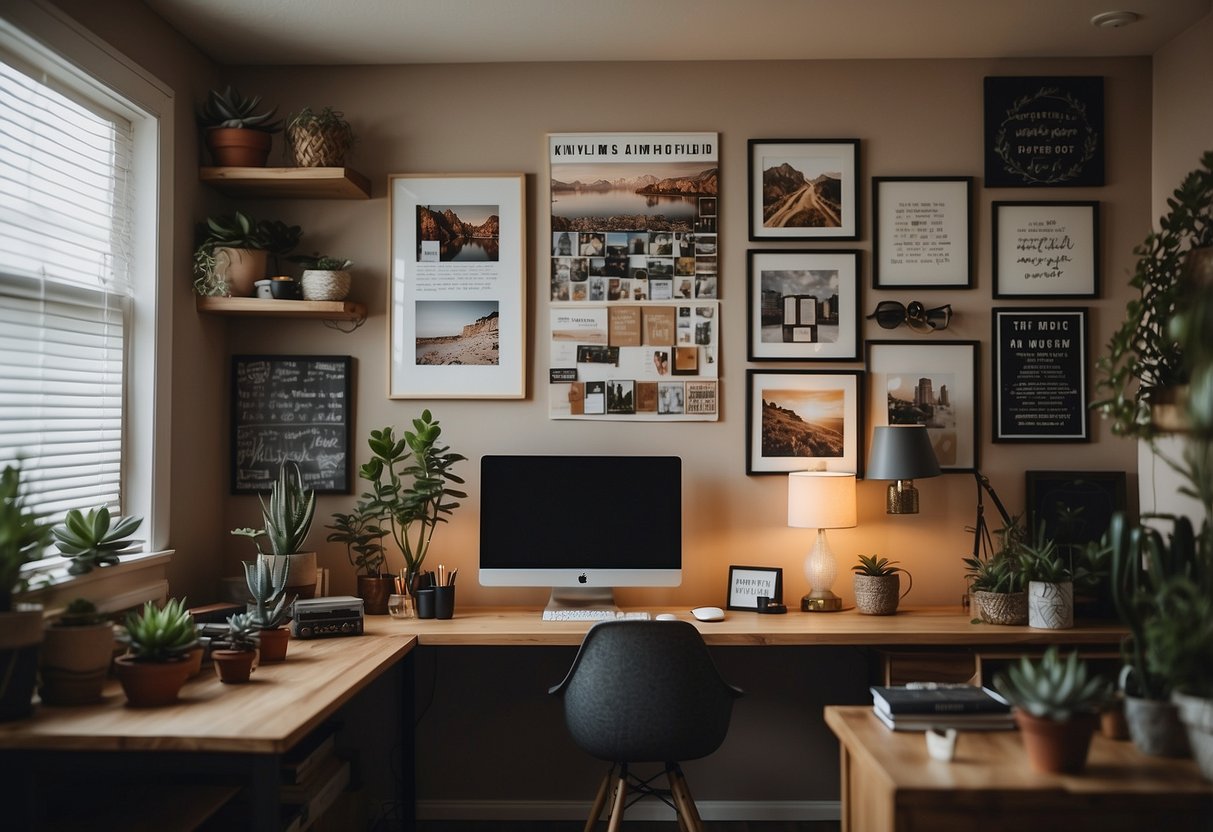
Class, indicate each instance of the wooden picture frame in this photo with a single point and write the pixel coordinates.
(803, 305)
(821, 410)
(747, 583)
(457, 301)
(803, 189)
(1045, 250)
(1040, 374)
(922, 232)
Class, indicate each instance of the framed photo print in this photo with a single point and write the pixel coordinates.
(1075, 507)
(457, 303)
(1044, 131)
(804, 419)
(922, 232)
(803, 305)
(1046, 249)
(804, 189)
(931, 383)
(748, 583)
(1040, 375)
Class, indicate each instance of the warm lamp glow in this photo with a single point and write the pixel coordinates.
(821, 500)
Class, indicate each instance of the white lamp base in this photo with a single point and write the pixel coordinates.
(820, 568)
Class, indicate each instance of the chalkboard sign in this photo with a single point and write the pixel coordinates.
(291, 407)
(1044, 131)
(1040, 380)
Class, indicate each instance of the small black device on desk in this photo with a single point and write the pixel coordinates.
(337, 615)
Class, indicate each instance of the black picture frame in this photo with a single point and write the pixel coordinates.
(1044, 131)
(1073, 507)
(793, 164)
(779, 282)
(922, 232)
(1040, 379)
(746, 583)
(1045, 250)
(773, 424)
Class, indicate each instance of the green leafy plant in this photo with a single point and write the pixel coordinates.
(93, 539)
(1180, 637)
(327, 118)
(80, 613)
(410, 491)
(287, 517)
(266, 581)
(161, 634)
(875, 566)
(321, 262)
(237, 230)
(241, 630)
(1043, 560)
(1000, 573)
(1053, 688)
(23, 535)
(362, 536)
(228, 108)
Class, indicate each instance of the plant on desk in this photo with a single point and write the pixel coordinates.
(997, 585)
(76, 653)
(1057, 703)
(1050, 583)
(287, 519)
(94, 539)
(155, 668)
(362, 536)
(235, 655)
(266, 581)
(878, 585)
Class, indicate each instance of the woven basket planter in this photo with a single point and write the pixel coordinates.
(877, 594)
(319, 147)
(325, 285)
(1002, 607)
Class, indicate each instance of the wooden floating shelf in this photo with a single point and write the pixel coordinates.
(294, 183)
(332, 310)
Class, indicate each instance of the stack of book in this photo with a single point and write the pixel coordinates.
(923, 706)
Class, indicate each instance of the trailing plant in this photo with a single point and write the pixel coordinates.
(362, 536)
(410, 492)
(266, 581)
(321, 262)
(228, 108)
(80, 613)
(326, 119)
(23, 535)
(1053, 688)
(237, 230)
(1180, 637)
(288, 516)
(161, 634)
(241, 629)
(875, 566)
(93, 539)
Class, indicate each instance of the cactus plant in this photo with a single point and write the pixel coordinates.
(1053, 688)
(288, 516)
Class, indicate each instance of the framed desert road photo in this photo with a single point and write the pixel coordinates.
(804, 189)
(798, 420)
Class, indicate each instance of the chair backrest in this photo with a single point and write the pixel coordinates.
(646, 691)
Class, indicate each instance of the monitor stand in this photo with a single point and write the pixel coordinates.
(582, 598)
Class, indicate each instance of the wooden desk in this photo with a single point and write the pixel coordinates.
(889, 783)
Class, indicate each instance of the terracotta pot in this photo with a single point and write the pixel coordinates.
(879, 594)
(20, 638)
(300, 574)
(194, 659)
(1051, 605)
(1155, 728)
(74, 663)
(151, 684)
(240, 269)
(1057, 747)
(1112, 722)
(233, 666)
(273, 644)
(238, 147)
(374, 591)
(1002, 607)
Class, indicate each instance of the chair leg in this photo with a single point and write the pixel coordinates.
(684, 801)
(678, 810)
(600, 799)
(620, 803)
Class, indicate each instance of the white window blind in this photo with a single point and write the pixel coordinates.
(65, 243)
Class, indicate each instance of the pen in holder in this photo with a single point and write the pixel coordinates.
(425, 602)
(444, 601)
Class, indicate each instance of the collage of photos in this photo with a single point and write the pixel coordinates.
(609, 266)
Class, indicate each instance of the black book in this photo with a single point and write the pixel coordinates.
(959, 699)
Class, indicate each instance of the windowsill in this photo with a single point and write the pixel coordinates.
(134, 579)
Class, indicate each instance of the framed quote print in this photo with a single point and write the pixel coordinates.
(749, 583)
(1044, 131)
(921, 232)
(1040, 375)
(803, 305)
(1046, 249)
(798, 420)
(804, 189)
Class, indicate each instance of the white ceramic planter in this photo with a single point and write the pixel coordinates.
(1050, 605)
(1196, 714)
(325, 285)
(300, 573)
(1155, 728)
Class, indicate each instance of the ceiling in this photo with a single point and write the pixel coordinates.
(313, 32)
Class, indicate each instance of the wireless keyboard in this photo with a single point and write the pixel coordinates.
(593, 615)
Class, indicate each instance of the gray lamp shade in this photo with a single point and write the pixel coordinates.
(901, 452)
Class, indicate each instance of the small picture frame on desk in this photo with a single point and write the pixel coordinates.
(749, 583)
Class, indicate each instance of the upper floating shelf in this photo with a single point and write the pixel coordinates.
(295, 183)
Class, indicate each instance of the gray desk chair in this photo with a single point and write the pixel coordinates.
(645, 692)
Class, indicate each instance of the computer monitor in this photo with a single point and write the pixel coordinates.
(582, 525)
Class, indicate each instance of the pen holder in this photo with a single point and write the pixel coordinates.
(425, 602)
(444, 601)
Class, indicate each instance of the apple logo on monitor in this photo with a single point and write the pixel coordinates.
(581, 578)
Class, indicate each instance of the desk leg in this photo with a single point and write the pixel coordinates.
(844, 775)
(264, 792)
(407, 788)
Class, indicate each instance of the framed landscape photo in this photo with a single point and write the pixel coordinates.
(922, 234)
(803, 305)
(931, 383)
(804, 189)
(457, 303)
(1046, 249)
(798, 420)
(1040, 375)
(748, 583)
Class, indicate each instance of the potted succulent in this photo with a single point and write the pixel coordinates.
(93, 539)
(23, 536)
(319, 139)
(878, 585)
(270, 607)
(77, 650)
(235, 655)
(362, 537)
(287, 519)
(410, 491)
(233, 251)
(1057, 703)
(324, 278)
(156, 665)
(236, 133)
(997, 587)
(1050, 584)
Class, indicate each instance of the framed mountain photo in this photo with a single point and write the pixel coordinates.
(804, 189)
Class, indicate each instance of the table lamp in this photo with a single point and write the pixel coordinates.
(902, 453)
(821, 500)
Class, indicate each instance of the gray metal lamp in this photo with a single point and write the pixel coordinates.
(902, 453)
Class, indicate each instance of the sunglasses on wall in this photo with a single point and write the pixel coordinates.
(891, 314)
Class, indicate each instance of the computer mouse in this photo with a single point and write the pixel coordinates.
(708, 613)
(666, 616)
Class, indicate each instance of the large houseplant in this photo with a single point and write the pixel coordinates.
(23, 536)
(156, 667)
(237, 132)
(363, 536)
(93, 538)
(233, 251)
(287, 519)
